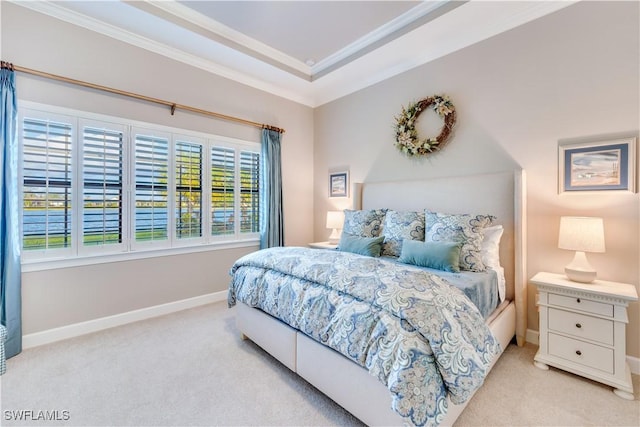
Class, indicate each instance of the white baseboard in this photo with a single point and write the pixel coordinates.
(634, 362)
(95, 325)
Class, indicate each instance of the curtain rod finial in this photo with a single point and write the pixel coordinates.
(273, 128)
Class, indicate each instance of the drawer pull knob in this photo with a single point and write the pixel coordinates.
(578, 352)
(578, 300)
(578, 325)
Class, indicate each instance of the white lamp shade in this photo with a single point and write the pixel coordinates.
(584, 234)
(335, 219)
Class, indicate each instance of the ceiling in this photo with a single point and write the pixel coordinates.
(311, 52)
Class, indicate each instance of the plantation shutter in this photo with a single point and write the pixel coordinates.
(188, 189)
(95, 185)
(249, 192)
(151, 180)
(102, 186)
(222, 191)
(47, 178)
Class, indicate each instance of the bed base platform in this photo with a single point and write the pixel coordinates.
(342, 380)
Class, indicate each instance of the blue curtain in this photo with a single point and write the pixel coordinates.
(271, 218)
(10, 293)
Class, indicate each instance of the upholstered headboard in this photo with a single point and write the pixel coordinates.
(499, 194)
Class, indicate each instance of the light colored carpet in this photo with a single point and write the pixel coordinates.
(192, 368)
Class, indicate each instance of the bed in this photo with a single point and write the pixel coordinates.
(358, 389)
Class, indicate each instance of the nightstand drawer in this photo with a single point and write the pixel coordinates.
(581, 326)
(582, 304)
(586, 354)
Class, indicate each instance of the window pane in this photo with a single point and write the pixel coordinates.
(188, 189)
(46, 219)
(222, 190)
(102, 186)
(249, 192)
(151, 203)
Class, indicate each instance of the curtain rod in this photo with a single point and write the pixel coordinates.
(172, 105)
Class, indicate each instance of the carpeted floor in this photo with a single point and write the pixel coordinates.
(192, 368)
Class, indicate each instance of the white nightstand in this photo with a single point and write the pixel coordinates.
(323, 245)
(582, 329)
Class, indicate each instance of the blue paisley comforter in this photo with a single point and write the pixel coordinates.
(420, 336)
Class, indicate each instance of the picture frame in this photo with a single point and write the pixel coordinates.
(597, 166)
(339, 184)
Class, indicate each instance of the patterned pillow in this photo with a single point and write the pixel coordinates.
(364, 223)
(465, 228)
(399, 226)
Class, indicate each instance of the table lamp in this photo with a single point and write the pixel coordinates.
(335, 220)
(581, 234)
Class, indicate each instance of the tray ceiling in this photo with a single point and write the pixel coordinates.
(311, 52)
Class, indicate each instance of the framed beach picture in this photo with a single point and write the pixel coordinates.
(597, 166)
(339, 184)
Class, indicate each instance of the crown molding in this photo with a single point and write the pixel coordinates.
(180, 11)
(56, 11)
(276, 56)
(378, 34)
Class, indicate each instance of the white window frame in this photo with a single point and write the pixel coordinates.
(77, 254)
(88, 250)
(49, 116)
(239, 192)
(233, 235)
(238, 146)
(202, 239)
(157, 244)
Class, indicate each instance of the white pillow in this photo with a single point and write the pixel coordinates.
(490, 248)
(490, 254)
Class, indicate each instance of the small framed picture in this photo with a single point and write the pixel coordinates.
(597, 166)
(339, 184)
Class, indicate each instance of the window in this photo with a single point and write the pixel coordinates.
(188, 181)
(223, 191)
(151, 196)
(47, 175)
(100, 185)
(249, 192)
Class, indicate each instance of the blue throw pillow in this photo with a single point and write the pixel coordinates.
(369, 246)
(439, 255)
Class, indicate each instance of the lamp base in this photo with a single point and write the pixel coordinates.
(580, 276)
(579, 270)
(334, 238)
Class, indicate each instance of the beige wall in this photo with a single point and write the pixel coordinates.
(570, 76)
(60, 297)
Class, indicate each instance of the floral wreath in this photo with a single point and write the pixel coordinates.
(406, 134)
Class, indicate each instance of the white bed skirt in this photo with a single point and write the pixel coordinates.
(345, 382)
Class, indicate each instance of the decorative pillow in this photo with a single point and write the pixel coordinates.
(399, 226)
(490, 254)
(364, 223)
(465, 228)
(490, 249)
(439, 255)
(369, 246)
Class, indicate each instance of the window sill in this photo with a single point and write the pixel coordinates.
(52, 264)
